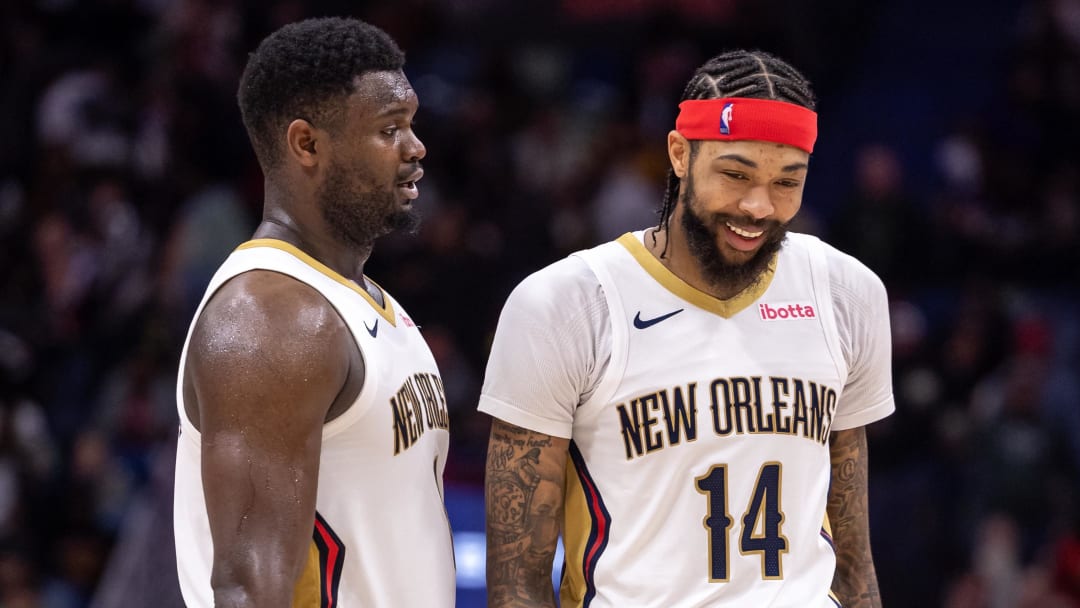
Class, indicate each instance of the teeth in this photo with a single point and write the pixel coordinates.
(745, 233)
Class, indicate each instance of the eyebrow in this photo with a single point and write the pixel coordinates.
(753, 165)
(393, 109)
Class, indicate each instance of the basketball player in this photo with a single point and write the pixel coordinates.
(686, 403)
(313, 419)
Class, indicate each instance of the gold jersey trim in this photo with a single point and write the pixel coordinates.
(725, 308)
(576, 526)
(387, 310)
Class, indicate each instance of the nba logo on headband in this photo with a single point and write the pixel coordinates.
(725, 118)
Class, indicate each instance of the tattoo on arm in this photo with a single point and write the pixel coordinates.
(855, 581)
(524, 495)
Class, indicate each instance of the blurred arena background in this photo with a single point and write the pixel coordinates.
(947, 161)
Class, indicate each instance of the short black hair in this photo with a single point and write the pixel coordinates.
(740, 73)
(304, 70)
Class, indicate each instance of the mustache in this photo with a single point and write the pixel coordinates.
(409, 171)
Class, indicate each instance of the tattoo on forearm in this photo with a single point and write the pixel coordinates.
(524, 506)
(855, 581)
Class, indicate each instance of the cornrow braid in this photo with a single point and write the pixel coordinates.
(739, 73)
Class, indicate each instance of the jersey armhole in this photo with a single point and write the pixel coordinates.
(819, 269)
(609, 382)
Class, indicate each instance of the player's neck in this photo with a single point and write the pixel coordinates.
(309, 235)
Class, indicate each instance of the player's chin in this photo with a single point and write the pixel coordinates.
(404, 219)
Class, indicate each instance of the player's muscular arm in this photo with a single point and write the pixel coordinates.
(855, 581)
(523, 491)
(267, 359)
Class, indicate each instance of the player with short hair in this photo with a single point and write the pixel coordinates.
(686, 404)
(313, 418)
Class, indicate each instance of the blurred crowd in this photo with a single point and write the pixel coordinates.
(945, 163)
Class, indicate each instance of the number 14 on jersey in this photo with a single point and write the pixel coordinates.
(761, 522)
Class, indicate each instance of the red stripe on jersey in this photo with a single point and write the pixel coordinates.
(331, 559)
(601, 523)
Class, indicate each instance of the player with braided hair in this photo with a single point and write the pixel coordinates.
(312, 415)
(739, 74)
(690, 400)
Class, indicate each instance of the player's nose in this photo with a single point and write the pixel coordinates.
(757, 203)
(413, 149)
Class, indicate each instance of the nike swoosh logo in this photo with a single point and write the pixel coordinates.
(372, 330)
(643, 323)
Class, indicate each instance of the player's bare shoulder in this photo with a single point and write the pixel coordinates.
(263, 329)
(264, 305)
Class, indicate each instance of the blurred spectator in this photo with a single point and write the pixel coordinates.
(880, 224)
(626, 199)
(1021, 460)
(1066, 567)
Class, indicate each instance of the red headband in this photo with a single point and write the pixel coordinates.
(735, 118)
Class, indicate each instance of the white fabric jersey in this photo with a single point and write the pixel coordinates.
(381, 536)
(699, 462)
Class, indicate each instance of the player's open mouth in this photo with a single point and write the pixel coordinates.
(746, 234)
(742, 239)
(408, 187)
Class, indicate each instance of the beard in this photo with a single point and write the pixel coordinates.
(702, 236)
(357, 211)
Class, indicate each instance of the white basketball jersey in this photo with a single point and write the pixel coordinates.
(380, 536)
(699, 469)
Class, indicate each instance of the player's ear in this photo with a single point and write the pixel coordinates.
(304, 142)
(678, 148)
